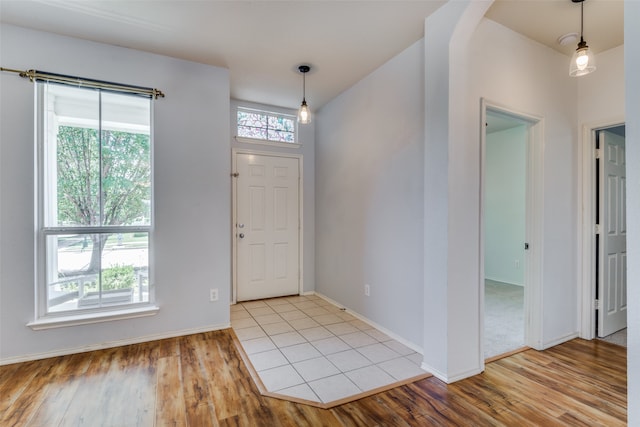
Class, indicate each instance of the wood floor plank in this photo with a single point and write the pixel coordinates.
(586, 366)
(137, 396)
(295, 415)
(555, 403)
(369, 412)
(60, 390)
(455, 407)
(239, 396)
(82, 410)
(22, 410)
(492, 397)
(198, 403)
(591, 392)
(15, 384)
(404, 403)
(168, 347)
(110, 377)
(588, 360)
(7, 373)
(170, 408)
(200, 380)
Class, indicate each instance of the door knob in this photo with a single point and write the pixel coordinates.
(241, 235)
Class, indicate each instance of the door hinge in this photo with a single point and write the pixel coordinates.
(526, 246)
(596, 304)
(597, 228)
(598, 153)
(235, 174)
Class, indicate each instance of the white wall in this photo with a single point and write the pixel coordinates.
(191, 238)
(362, 239)
(601, 98)
(369, 188)
(504, 209)
(507, 69)
(601, 94)
(439, 309)
(632, 90)
(306, 137)
(606, 97)
(525, 76)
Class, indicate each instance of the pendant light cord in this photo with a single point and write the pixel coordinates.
(304, 84)
(581, 20)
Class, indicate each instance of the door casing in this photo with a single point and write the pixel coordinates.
(234, 214)
(534, 222)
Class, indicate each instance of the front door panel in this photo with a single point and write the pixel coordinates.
(267, 226)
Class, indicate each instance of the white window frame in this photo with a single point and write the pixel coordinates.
(43, 257)
(260, 141)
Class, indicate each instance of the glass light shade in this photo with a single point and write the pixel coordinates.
(583, 62)
(304, 115)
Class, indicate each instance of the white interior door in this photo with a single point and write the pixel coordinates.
(267, 226)
(612, 256)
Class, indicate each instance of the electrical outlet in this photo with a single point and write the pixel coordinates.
(367, 290)
(213, 295)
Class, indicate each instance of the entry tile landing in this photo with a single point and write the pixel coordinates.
(306, 349)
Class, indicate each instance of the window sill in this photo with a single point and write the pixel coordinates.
(88, 318)
(267, 142)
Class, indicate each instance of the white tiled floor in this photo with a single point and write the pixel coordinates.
(307, 348)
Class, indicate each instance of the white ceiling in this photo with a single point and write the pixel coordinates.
(262, 42)
(546, 20)
(497, 122)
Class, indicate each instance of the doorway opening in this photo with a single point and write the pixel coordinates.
(504, 225)
(610, 266)
(511, 243)
(603, 307)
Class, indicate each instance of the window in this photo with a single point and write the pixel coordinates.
(265, 125)
(94, 200)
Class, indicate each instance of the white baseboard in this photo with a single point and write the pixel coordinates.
(111, 344)
(373, 324)
(450, 379)
(493, 279)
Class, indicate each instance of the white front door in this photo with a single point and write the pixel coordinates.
(267, 226)
(612, 256)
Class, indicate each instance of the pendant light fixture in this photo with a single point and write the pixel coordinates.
(304, 115)
(583, 61)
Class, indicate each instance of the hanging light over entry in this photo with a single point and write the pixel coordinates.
(304, 115)
(583, 61)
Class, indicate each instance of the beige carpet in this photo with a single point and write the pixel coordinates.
(619, 338)
(503, 318)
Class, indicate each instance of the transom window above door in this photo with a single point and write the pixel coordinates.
(255, 125)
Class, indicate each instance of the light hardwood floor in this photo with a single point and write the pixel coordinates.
(199, 380)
